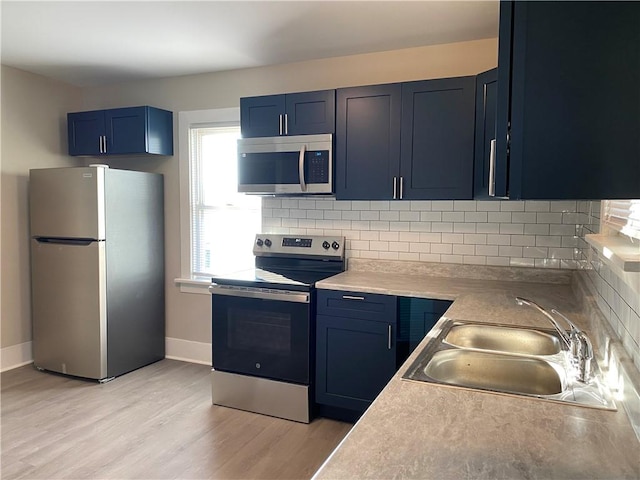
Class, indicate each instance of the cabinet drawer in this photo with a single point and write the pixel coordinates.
(366, 306)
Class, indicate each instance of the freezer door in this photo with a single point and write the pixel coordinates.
(69, 307)
(67, 202)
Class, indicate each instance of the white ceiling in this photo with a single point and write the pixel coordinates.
(89, 43)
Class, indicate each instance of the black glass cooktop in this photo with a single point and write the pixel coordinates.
(296, 275)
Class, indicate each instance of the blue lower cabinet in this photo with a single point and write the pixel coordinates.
(354, 360)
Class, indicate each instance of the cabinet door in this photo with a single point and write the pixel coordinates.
(354, 361)
(84, 130)
(310, 113)
(261, 116)
(575, 101)
(126, 130)
(437, 138)
(367, 142)
(485, 131)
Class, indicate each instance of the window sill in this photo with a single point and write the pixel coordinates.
(617, 250)
(198, 285)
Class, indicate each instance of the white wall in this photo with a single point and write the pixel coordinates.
(33, 125)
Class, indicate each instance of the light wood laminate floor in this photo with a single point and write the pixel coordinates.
(154, 423)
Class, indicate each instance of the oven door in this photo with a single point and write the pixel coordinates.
(262, 332)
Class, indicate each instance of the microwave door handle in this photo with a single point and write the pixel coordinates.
(303, 183)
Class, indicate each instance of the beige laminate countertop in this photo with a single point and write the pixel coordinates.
(420, 430)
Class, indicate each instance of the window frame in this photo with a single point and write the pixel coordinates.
(186, 121)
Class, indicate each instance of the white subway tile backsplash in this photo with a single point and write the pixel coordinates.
(488, 228)
(487, 250)
(443, 227)
(511, 206)
(464, 228)
(400, 226)
(564, 206)
(512, 228)
(390, 215)
(522, 262)
(543, 234)
(464, 205)
(444, 248)
(499, 239)
(488, 206)
(453, 237)
(537, 229)
(535, 252)
(524, 217)
(549, 218)
(442, 205)
(508, 251)
(464, 249)
(390, 236)
(548, 241)
(409, 236)
(523, 240)
(453, 216)
(537, 206)
(420, 205)
(370, 215)
(499, 217)
(409, 216)
(477, 217)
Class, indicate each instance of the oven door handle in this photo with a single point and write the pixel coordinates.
(260, 293)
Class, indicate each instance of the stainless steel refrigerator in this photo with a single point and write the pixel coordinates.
(97, 270)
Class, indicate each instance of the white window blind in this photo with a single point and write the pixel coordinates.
(223, 221)
(623, 216)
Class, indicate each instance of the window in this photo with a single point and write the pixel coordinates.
(622, 216)
(218, 224)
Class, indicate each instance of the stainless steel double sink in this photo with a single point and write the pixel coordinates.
(505, 359)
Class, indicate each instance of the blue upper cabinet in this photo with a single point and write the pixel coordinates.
(569, 100)
(405, 141)
(436, 160)
(121, 131)
(368, 142)
(306, 113)
(485, 133)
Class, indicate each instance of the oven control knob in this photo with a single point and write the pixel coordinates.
(267, 242)
(259, 242)
(326, 245)
(335, 245)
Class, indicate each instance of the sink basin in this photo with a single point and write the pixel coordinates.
(505, 359)
(503, 339)
(494, 371)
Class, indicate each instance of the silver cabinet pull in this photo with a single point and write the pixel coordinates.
(389, 338)
(303, 183)
(492, 169)
(401, 187)
(352, 297)
(395, 187)
(105, 143)
(100, 143)
(280, 123)
(286, 124)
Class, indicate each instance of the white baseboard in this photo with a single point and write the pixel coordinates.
(15, 356)
(188, 351)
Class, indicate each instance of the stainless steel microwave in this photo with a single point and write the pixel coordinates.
(289, 165)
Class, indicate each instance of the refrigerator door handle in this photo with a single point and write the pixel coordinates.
(81, 242)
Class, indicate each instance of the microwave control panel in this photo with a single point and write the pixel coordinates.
(317, 166)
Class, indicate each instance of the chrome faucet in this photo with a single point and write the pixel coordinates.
(576, 341)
